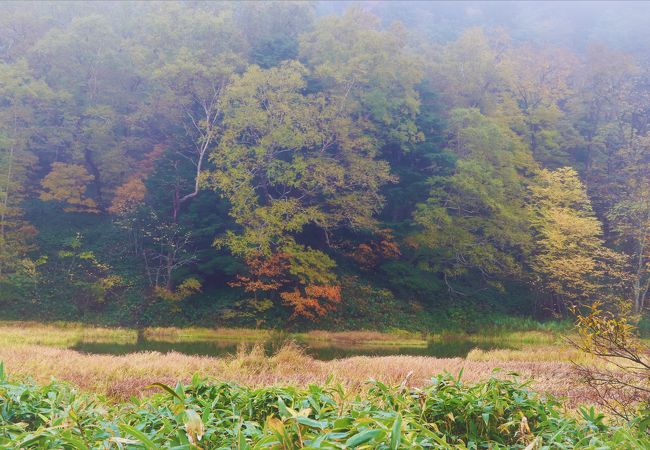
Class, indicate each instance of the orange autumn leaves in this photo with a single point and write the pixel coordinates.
(131, 194)
(266, 273)
(309, 297)
(312, 302)
(370, 254)
(128, 196)
(68, 183)
(273, 274)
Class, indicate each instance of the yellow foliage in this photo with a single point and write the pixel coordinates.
(187, 288)
(67, 183)
(571, 260)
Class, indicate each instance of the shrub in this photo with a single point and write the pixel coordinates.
(448, 414)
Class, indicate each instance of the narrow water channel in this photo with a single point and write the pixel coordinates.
(322, 350)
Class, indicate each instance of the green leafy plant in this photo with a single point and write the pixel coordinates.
(496, 413)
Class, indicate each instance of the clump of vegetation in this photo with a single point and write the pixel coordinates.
(447, 414)
(622, 380)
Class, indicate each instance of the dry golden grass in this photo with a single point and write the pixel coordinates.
(120, 377)
(358, 337)
(172, 334)
(60, 334)
(41, 351)
(547, 353)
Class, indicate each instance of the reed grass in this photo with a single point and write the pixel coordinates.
(121, 377)
(42, 351)
(548, 353)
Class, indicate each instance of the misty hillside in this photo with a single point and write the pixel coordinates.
(353, 165)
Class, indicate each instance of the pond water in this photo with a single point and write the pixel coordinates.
(322, 350)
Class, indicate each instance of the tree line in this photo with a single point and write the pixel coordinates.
(269, 150)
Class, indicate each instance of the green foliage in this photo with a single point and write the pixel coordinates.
(20, 124)
(370, 69)
(405, 278)
(288, 159)
(92, 281)
(448, 414)
(476, 217)
(273, 29)
(286, 136)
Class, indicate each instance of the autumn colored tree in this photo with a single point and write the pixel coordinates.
(630, 215)
(183, 84)
(131, 194)
(265, 274)
(83, 61)
(293, 140)
(277, 275)
(67, 183)
(570, 261)
(129, 201)
(380, 248)
(163, 245)
(128, 197)
(287, 160)
(621, 383)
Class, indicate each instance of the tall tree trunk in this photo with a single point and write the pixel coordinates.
(5, 200)
(97, 177)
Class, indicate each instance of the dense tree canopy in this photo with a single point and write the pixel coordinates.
(266, 161)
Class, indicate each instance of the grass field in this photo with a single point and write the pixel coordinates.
(288, 399)
(42, 352)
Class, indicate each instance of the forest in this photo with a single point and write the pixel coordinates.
(323, 165)
(306, 225)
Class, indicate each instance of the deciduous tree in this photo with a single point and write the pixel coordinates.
(23, 115)
(288, 159)
(476, 218)
(68, 183)
(630, 214)
(570, 260)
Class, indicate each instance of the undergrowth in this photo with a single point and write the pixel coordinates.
(448, 415)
